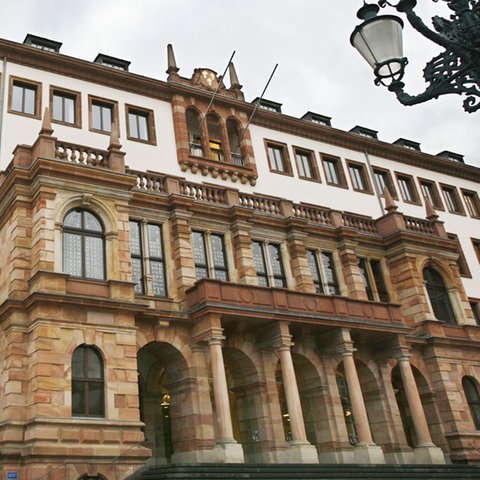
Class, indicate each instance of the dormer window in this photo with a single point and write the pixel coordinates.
(112, 62)
(365, 132)
(318, 119)
(42, 43)
(456, 157)
(408, 144)
(268, 105)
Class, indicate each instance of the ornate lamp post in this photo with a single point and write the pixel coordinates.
(455, 70)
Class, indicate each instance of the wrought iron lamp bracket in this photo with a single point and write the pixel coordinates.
(455, 70)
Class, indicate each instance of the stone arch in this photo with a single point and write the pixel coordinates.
(428, 403)
(250, 425)
(166, 391)
(312, 396)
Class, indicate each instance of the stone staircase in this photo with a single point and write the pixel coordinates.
(306, 472)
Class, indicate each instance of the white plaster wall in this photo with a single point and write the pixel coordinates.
(162, 158)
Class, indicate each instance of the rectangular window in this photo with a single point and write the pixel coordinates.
(140, 125)
(452, 200)
(359, 177)
(306, 164)
(429, 190)
(476, 247)
(371, 271)
(103, 113)
(278, 158)
(407, 188)
(383, 180)
(472, 202)
(461, 261)
(65, 106)
(334, 171)
(323, 272)
(209, 256)
(148, 263)
(25, 97)
(269, 264)
(476, 311)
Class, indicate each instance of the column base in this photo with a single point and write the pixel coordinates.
(428, 454)
(228, 452)
(301, 453)
(338, 457)
(368, 454)
(400, 458)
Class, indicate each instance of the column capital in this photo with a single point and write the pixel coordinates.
(215, 340)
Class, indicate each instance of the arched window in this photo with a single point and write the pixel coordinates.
(215, 138)
(234, 140)
(473, 399)
(439, 297)
(83, 245)
(88, 386)
(194, 134)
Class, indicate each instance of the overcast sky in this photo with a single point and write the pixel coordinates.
(309, 39)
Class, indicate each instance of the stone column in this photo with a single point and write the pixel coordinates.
(295, 413)
(227, 449)
(358, 405)
(366, 451)
(425, 451)
(300, 449)
(220, 390)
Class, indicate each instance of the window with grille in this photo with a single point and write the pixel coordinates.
(372, 275)
(269, 264)
(148, 261)
(323, 272)
(83, 245)
(209, 255)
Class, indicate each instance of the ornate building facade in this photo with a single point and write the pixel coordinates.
(189, 277)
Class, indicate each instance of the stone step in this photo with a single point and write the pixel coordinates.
(306, 472)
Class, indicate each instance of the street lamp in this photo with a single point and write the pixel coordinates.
(456, 70)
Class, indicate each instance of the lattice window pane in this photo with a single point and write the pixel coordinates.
(158, 278)
(72, 254)
(92, 222)
(137, 275)
(155, 241)
(330, 275)
(94, 264)
(135, 241)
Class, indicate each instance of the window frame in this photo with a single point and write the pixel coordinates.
(473, 403)
(84, 233)
(365, 178)
(77, 106)
(448, 190)
(373, 284)
(213, 270)
(146, 284)
(388, 183)
(271, 278)
(282, 147)
(150, 119)
(88, 381)
(103, 102)
(323, 286)
(434, 196)
(444, 294)
(408, 179)
(337, 162)
(313, 164)
(25, 83)
(472, 204)
(476, 247)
